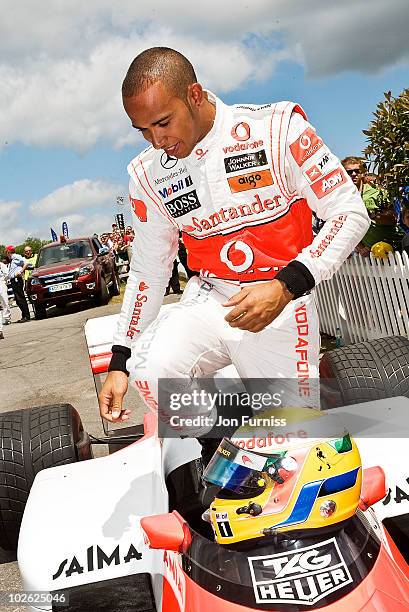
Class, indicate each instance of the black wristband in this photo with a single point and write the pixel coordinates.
(120, 355)
(297, 278)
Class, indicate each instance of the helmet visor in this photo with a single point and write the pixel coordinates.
(235, 470)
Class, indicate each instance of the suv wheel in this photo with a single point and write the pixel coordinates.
(40, 311)
(115, 288)
(103, 296)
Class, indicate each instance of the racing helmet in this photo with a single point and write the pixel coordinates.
(306, 478)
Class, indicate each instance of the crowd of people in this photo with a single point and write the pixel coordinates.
(389, 220)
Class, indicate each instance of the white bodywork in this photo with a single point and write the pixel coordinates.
(72, 510)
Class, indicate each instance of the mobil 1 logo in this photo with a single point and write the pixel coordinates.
(302, 576)
(183, 204)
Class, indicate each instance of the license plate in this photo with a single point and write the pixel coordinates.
(61, 287)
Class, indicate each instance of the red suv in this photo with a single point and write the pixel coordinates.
(77, 269)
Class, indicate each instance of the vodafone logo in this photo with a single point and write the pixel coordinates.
(143, 286)
(200, 153)
(241, 131)
(305, 142)
(237, 255)
(306, 145)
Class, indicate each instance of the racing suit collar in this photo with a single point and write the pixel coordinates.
(202, 148)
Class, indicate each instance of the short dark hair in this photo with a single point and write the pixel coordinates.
(159, 64)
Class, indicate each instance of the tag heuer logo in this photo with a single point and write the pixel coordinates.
(302, 576)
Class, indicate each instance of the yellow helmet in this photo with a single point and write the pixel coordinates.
(381, 249)
(302, 481)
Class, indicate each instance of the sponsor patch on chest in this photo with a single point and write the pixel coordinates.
(183, 204)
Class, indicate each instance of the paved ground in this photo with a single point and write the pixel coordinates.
(46, 362)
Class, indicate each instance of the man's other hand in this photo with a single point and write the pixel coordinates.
(257, 306)
(111, 397)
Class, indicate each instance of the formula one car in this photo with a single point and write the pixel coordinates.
(126, 531)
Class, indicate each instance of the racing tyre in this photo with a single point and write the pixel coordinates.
(102, 298)
(365, 371)
(40, 311)
(115, 288)
(31, 440)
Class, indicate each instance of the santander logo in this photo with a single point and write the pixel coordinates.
(241, 131)
(143, 286)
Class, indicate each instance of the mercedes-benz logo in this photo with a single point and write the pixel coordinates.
(167, 161)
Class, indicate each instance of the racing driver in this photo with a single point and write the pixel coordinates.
(240, 182)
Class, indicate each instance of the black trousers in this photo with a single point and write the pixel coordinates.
(18, 289)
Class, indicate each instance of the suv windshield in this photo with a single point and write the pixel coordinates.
(64, 252)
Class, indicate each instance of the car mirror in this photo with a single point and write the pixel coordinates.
(165, 531)
(373, 487)
(103, 250)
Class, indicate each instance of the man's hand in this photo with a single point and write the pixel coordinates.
(255, 307)
(111, 397)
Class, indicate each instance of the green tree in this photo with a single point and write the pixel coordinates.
(35, 243)
(388, 142)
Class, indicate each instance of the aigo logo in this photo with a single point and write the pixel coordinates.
(241, 131)
(251, 180)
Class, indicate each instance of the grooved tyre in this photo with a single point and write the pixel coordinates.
(102, 298)
(115, 288)
(31, 440)
(365, 371)
(40, 311)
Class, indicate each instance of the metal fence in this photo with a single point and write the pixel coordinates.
(367, 298)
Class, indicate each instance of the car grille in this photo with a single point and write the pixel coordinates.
(61, 277)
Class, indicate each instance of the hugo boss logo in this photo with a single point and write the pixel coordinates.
(183, 204)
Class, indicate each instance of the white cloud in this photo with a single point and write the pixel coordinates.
(10, 215)
(62, 63)
(86, 225)
(79, 195)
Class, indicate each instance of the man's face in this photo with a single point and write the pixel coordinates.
(165, 120)
(355, 172)
(28, 252)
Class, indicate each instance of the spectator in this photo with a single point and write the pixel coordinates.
(17, 267)
(106, 241)
(5, 315)
(32, 260)
(383, 218)
(129, 235)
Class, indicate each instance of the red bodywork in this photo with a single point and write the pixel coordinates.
(385, 589)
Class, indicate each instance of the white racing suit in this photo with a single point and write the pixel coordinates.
(5, 314)
(243, 201)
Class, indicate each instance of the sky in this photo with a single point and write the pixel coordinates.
(65, 140)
